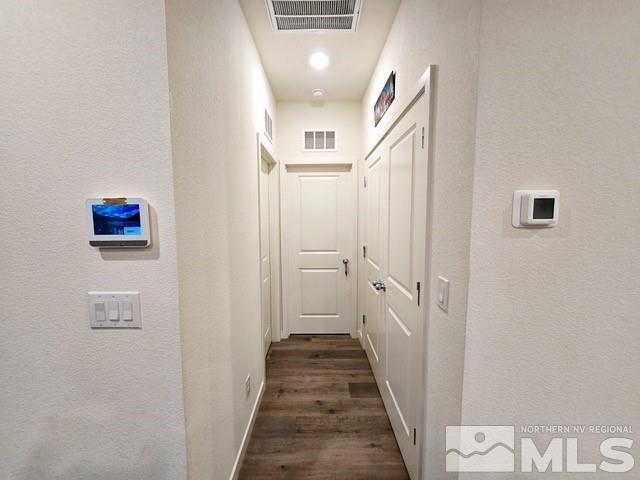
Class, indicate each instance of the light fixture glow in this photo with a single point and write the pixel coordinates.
(319, 60)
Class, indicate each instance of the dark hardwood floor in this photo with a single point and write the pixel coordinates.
(321, 416)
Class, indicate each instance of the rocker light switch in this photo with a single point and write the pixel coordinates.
(127, 311)
(100, 311)
(114, 310)
(443, 293)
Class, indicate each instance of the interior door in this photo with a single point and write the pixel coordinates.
(376, 175)
(265, 256)
(321, 240)
(395, 238)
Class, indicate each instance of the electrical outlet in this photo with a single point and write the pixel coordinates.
(247, 386)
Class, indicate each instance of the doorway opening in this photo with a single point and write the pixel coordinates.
(354, 241)
(344, 264)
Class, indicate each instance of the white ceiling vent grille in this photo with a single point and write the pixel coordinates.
(314, 140)
(314, 15)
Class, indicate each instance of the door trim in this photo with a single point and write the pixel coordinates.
(425, 86)
(265, 153)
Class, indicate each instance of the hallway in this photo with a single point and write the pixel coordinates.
(322, 416)
(320, 239)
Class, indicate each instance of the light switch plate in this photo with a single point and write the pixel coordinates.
(114, 310)
(442, 297)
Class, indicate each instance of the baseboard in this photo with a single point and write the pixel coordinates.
(247, 435)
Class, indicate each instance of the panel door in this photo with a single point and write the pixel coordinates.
(265, 257)
(321, 231)
(396, 248)
(376, 174)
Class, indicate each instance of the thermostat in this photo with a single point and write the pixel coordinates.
(118, 222)
(535, 208)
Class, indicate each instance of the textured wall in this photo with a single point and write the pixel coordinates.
(553, 328)
(444, 33)
(344, 117)
(84, 112)
(218, 92)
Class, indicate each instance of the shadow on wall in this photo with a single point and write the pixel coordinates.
(128, 254)
(561, 230)
(92, 429)
(43, 461)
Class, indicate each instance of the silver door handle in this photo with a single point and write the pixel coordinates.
(379, 285)
(345, 262)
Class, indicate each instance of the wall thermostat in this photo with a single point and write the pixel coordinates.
(118, 222)
(535, 208)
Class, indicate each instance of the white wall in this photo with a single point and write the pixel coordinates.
(295, 117)
(552, 328)
(446, 34)
(84, 112)
(218, 93)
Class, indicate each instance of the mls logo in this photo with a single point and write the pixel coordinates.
(480, 449)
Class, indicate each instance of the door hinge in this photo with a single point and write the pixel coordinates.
(423, 138)
(364, 251)
(418, 287)
(365, 182)
(364, 319)
(414, 436)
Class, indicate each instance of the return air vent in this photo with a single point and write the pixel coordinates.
(268, 125)
(314, 15)
(315, 140)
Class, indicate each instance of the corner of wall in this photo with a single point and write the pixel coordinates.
(217, 220)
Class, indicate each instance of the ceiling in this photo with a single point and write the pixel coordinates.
(353, 56)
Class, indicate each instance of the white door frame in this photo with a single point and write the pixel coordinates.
(341, 163)
(425, 87)
(266, 154)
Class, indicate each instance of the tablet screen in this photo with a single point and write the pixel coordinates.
(116, 219)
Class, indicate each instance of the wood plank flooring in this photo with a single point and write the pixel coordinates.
(321, 416)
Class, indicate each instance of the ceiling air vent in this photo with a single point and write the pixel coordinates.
(315, 140)
(314, 15)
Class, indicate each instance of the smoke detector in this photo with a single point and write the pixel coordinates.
(314, 15)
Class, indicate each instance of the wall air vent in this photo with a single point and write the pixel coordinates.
(314, 15)
(318, 140)
(268, 125)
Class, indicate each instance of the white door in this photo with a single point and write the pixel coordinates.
(321, 240)
(265, 256)
(395, 239)
(376, 174)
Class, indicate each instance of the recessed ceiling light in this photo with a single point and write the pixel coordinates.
(318, 92)
(319, 60)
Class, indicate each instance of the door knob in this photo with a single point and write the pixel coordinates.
(379, 285)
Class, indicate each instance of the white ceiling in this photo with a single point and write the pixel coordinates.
(353, 56)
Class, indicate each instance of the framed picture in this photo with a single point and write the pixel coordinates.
(385, 99)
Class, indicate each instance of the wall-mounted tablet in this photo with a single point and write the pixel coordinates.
(118, 222)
